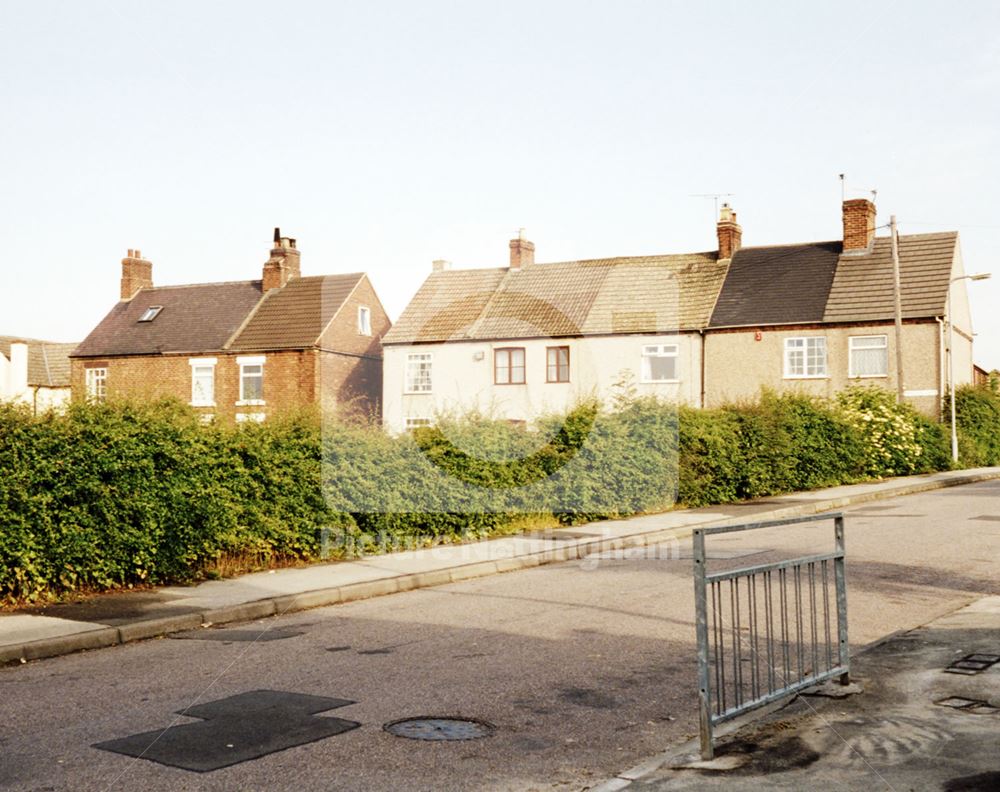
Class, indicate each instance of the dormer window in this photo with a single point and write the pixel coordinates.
(151, 313)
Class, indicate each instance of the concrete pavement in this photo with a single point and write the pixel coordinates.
(916, 726)
(116, 618)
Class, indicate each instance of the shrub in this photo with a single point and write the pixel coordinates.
(977, 412)
(890, 444)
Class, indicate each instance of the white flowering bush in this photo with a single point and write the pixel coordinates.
(890, 432)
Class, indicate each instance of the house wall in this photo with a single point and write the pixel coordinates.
(349, 374)
(45, 399)
(461, 383)
(289, 380)
(738, 365)
(14, 374)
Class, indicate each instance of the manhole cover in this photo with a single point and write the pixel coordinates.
(973, 663)
(440, 728)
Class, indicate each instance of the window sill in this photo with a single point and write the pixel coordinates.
(660, 382)
(508, 384)
(201, 404)
(867, 376)
(557, 382)
(418, 393)
(807, 377)
(250, 403)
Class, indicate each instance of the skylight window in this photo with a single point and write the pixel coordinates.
(151, 313)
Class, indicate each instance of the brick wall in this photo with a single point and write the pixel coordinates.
(289, 380)
(859, 224)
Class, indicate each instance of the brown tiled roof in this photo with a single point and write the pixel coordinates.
(195, 319)
(295, 316)
(863, 287)
(595, 297)
(48, 361)
(784, 284)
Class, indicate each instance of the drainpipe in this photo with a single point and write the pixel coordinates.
(701, 333)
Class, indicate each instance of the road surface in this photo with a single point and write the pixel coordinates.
(583, 668)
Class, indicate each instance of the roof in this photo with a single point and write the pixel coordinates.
(48, 361)
(295, 316)
(218, 317)
(636, 294)
(863, 288)
(785, 284)
(818, 283)
(195, 319)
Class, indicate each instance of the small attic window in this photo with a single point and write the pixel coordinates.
(151, 313)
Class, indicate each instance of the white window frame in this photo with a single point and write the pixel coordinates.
(202, 363)
(412, 422)
(413, 362)
(792, 345)
(364, 320)
(250, 417)
(97, 383)
(851, 349)
(650, 351)
(243, 362)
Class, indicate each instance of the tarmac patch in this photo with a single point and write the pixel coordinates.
(588, 697)
(236, 729)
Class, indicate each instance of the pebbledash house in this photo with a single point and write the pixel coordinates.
(240, 350)
(704, 329)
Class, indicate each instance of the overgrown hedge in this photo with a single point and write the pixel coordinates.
(978, 418)
(108, 496)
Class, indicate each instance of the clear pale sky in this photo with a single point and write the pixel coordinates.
(385, 135)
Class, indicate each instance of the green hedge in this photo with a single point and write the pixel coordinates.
(117, 495)
(977, 412)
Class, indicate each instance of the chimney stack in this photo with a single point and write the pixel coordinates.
(137, 273)
(440, 265)
(859, 224)
(522, 252)
(729, 232)
(283, 265)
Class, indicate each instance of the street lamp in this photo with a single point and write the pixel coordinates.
(951, 357)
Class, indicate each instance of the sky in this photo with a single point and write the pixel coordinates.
(385, 135)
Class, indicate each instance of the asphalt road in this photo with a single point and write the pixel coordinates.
(583, 668)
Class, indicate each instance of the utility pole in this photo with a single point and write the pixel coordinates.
(900, 390)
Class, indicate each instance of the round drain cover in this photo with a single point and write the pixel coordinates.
(440, 728)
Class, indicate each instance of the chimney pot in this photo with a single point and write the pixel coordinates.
(284, 263)
(729, 232)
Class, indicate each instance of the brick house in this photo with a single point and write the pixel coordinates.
(34, 372)
(241, 350)
(699, 328)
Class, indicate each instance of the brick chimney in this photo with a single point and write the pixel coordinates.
(283, 265)
(522, 252)
(729, 232)
(859, 224)
(137, 273)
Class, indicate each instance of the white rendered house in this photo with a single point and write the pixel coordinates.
(528, 339)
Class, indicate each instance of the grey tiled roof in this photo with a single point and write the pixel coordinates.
(595, 297)
(195, 319)
(785, 284)
(48, 361)
(863, 287)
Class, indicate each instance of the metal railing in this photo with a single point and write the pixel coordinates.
(766, 632)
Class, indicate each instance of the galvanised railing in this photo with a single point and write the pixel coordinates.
(768, 631)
